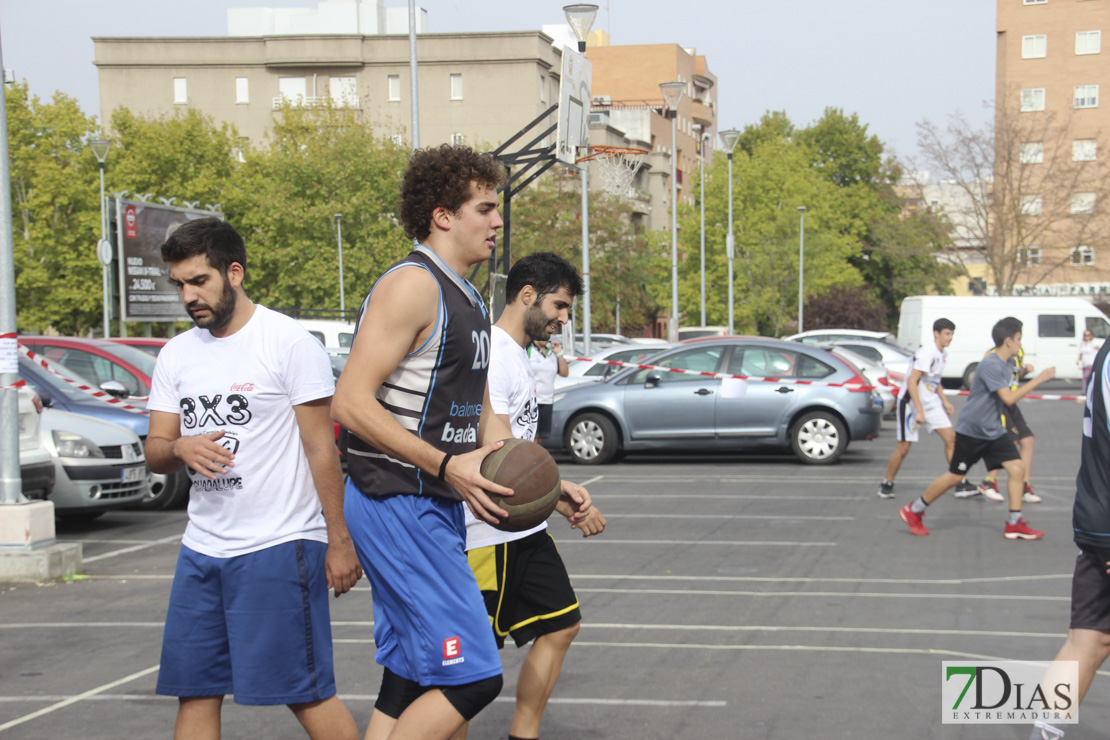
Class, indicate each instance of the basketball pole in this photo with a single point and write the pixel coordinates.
(585, 258)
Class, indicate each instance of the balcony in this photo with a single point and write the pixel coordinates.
(315, 101)
(702, 113)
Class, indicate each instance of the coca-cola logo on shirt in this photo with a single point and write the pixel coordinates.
(245, 387)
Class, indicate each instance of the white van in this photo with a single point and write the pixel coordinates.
(334, 335)
(1052, 328)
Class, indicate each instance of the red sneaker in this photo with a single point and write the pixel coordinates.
(1022, 531)
(1029, 497)
(914, 520)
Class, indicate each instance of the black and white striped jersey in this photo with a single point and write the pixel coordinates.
(435, 392)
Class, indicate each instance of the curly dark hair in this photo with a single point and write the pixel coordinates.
(213, 237)
(440, 177)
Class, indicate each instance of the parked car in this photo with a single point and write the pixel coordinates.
(686, 333)
(655, 409)
(582, 371)
(116, 368)
(873, 372)
(821, 336)
(150, 345)
(599, 340)
(36, 468)
(166, 491)
(894, 359)
(334, 335)
(98, 465)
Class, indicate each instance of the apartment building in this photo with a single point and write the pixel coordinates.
(1050, 73)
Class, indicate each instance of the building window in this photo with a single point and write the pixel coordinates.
(1032, 205)
(397, 140)
(1082, 256)
(458, 139)
(543, 89)
(1029, 256)
(1084, 150)
(180, 91)
(1034, 47)
(1032, 152)
(456, 87)
(395, 87)
(1088, 42)
(1032, 99)
(242, 91)
(1082, 202)
(343, 91)
(1086, 96)
(1035, 2)
(293, 90)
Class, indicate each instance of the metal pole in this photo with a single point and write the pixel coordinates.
(701, 149)
(801, 266)
(339, 239)
(11, 485)
(585, 258)
(730, 249)
(674, 226)
(104, 271)
(414, 95)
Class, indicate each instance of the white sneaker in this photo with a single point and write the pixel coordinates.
(989, 489)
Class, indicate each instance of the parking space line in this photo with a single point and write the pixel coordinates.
(820, 629)
(595, 479)
(79, 697)
(135, 548)
(374, 697)
(823, 594)
(94, 541)
(767, 579)
(609, 515)
(82, 625)
(754, 543)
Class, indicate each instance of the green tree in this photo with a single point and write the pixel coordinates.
(55, 204)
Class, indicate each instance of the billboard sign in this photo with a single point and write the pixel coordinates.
(146, 293)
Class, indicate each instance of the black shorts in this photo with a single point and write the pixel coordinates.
(970, 450)
(1090, 592)
(526, 587)
(1014, 421)
(543, 430)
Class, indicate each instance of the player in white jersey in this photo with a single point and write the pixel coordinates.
(921, 401)
(527, 591)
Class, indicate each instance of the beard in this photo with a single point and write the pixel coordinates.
(537, 324)
(219, 315)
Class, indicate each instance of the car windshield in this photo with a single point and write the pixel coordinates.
(42, 379)
(136, 357)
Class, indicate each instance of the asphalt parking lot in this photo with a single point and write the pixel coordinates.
(730, 597)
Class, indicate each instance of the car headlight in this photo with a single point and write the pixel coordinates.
(74, 445)
(557, 397)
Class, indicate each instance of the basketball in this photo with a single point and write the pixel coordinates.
(534, 477)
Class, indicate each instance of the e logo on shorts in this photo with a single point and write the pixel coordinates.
(452, 651)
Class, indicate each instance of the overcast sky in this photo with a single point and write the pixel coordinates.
(894, 62)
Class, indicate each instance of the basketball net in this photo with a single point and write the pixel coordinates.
(617, 166)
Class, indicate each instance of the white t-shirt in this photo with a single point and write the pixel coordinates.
(1088, 350)
(512, 392)
(930, 361)
(247, 385)
(545, 365)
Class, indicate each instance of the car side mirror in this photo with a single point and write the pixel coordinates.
(46, 399)
(114, 388)
(653, 379)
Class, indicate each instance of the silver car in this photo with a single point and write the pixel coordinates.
(98, 465)
(657, 409)
(584, 371)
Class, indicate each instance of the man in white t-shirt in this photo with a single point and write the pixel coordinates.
(921, 402)
(243, 400)
(523, 580)
(546, 357)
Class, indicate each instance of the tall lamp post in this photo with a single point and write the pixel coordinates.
(100, 149)
(339, 240)
(580, 18)
(729, 139)
(672, 93)
(801, 266)
(702, 138)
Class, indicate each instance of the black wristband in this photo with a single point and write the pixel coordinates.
(443, 466)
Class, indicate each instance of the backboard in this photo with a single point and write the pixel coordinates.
(574, 106)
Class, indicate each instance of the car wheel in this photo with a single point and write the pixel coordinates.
(818, 438)
(591, 439)
(167, 492)
(969, 374)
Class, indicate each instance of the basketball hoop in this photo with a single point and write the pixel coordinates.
(618, 166)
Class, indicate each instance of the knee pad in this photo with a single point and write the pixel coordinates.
(396, 694)
(471, 698)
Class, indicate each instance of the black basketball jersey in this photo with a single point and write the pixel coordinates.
(1091, 513)
(435, 392)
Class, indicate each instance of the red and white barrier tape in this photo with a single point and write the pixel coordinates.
(1033, 396)
(96, 393)
(748, 378)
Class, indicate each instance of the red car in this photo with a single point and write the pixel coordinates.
(150, 345)
(126, 370)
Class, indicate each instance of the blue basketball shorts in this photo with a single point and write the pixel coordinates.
(430, 622)
(255, 625)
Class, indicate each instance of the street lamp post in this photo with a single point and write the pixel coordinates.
(580, 18)
(702, 138)
(672, 94)
(729, 139)
(801, 266)
(339, 240)
(100, 149)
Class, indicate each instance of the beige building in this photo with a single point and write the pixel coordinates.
(1050, 74)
